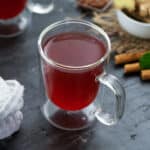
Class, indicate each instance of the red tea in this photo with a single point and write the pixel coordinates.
(11, 8)
(73, 89)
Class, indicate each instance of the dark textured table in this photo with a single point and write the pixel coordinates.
(19, 60)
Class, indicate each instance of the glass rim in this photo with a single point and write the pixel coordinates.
(77, 21)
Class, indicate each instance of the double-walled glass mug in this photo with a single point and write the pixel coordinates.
(15, 15)
(73, 60)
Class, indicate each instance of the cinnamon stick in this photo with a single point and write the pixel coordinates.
(128, 57)
(131, 68)
(145, 74)
(135, 67)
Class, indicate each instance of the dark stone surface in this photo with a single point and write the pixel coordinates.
(19, 60)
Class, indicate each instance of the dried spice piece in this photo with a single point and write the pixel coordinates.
(132, 68)
(125, 4)
(143, 7)
(143, 64)
(121, 40)
(135, 67)
(128, 57)
(137, 9)
(145, 74)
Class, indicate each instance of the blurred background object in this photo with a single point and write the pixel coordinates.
(16, 15)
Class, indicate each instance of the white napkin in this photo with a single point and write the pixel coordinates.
(11, 102)
(11, 124)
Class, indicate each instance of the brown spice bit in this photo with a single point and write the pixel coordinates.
(93, 3)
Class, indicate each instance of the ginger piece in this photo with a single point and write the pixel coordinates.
(142, 10)
(149, 11)
(142, 1)
(137, 9)
(130, 5)
(143, 7)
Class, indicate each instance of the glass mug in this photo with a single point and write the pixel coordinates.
(73, 60)
(15, 15)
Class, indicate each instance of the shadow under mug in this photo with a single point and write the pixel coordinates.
(75, 77)
(15, 15)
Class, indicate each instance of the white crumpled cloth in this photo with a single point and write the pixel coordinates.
(11, 102)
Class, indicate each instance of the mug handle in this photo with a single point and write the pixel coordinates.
(40, 8)
(114, 85)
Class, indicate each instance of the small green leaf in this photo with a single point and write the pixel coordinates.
(145, 61)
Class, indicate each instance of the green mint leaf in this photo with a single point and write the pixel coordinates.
(145, 61)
